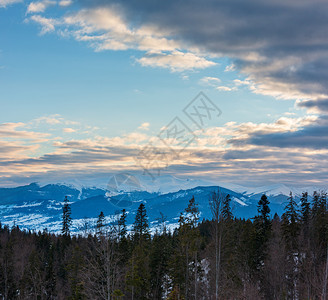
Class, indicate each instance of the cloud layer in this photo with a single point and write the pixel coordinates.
(280, 45)
(244, 152)
(281, 48)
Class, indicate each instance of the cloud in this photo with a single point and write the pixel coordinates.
(144, 126)
(176, 61)
(247, 152)
(47, 24)
(239, 82)
(12, 130)
(315, 106)
(281, 46)
(51, 119)
(38, 7)
(69, 130)
(225, 88)
(304, 133)
(65, 3)
(215, 82)
(230, 68)
(212, 81)
(106, 28)
(5, 3)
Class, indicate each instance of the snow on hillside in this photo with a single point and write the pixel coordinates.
(168, 184)
(280, 189)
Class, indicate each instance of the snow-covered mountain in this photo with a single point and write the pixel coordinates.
(37, 207)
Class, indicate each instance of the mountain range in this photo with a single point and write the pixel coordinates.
(39, 207)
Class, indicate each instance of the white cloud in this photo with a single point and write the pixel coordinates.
(230, 68)
(239, 82)
(212, 81)
(144, 126)
(69, 130)
(177, 61)
(51, 119)
(65, 3)
(106, 29)
(217, 147)
(5, 3)
(38, 7)
(47, 24)
(225, 88)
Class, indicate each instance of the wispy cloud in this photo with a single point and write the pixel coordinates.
(176, 61)
(280, 46)
(65, 3)
(144, 126)
(225, 88)
(47, 24)
(39, 7)
(230, 151)
(106, 28)
(212, 81)
(5, 3)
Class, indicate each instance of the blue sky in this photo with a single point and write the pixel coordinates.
(85, 85)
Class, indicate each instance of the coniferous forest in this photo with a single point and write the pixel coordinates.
(266, 257)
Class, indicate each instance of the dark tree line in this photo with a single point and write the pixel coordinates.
(224, 258)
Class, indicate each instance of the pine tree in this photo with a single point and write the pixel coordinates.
(67, 220)
(159, 258)
(291, 226)
(192, 213)
(100, 224)
(315, 204)
(305, 209)
(141, 226)
(320, 221)
(263, 210)
(185, 259)
(138, 275)
(122, 225)
(262, 223)
(290, 232)
(226, 209)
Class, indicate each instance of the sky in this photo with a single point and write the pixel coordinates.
(92, 88)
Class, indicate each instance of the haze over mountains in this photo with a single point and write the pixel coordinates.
(37, 207)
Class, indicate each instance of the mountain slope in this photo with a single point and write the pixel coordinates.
(38, 207)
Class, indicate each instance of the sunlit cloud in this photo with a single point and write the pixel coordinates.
(144, 126)
(230, 151)
(106, 29)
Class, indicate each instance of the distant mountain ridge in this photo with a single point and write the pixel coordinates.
(38, 207)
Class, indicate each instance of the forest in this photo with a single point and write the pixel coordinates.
(266, 257)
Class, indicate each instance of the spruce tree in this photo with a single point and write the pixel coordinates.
(290, 223)
(122, 225)
(320, 221)
(315, 204)
(263, 210)
(141, 226)
(263, 225)
(192, 213)
(100, 224)
(67, 220)
(290, 231)
(305, 209)
(226, 209)
(185, 258)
